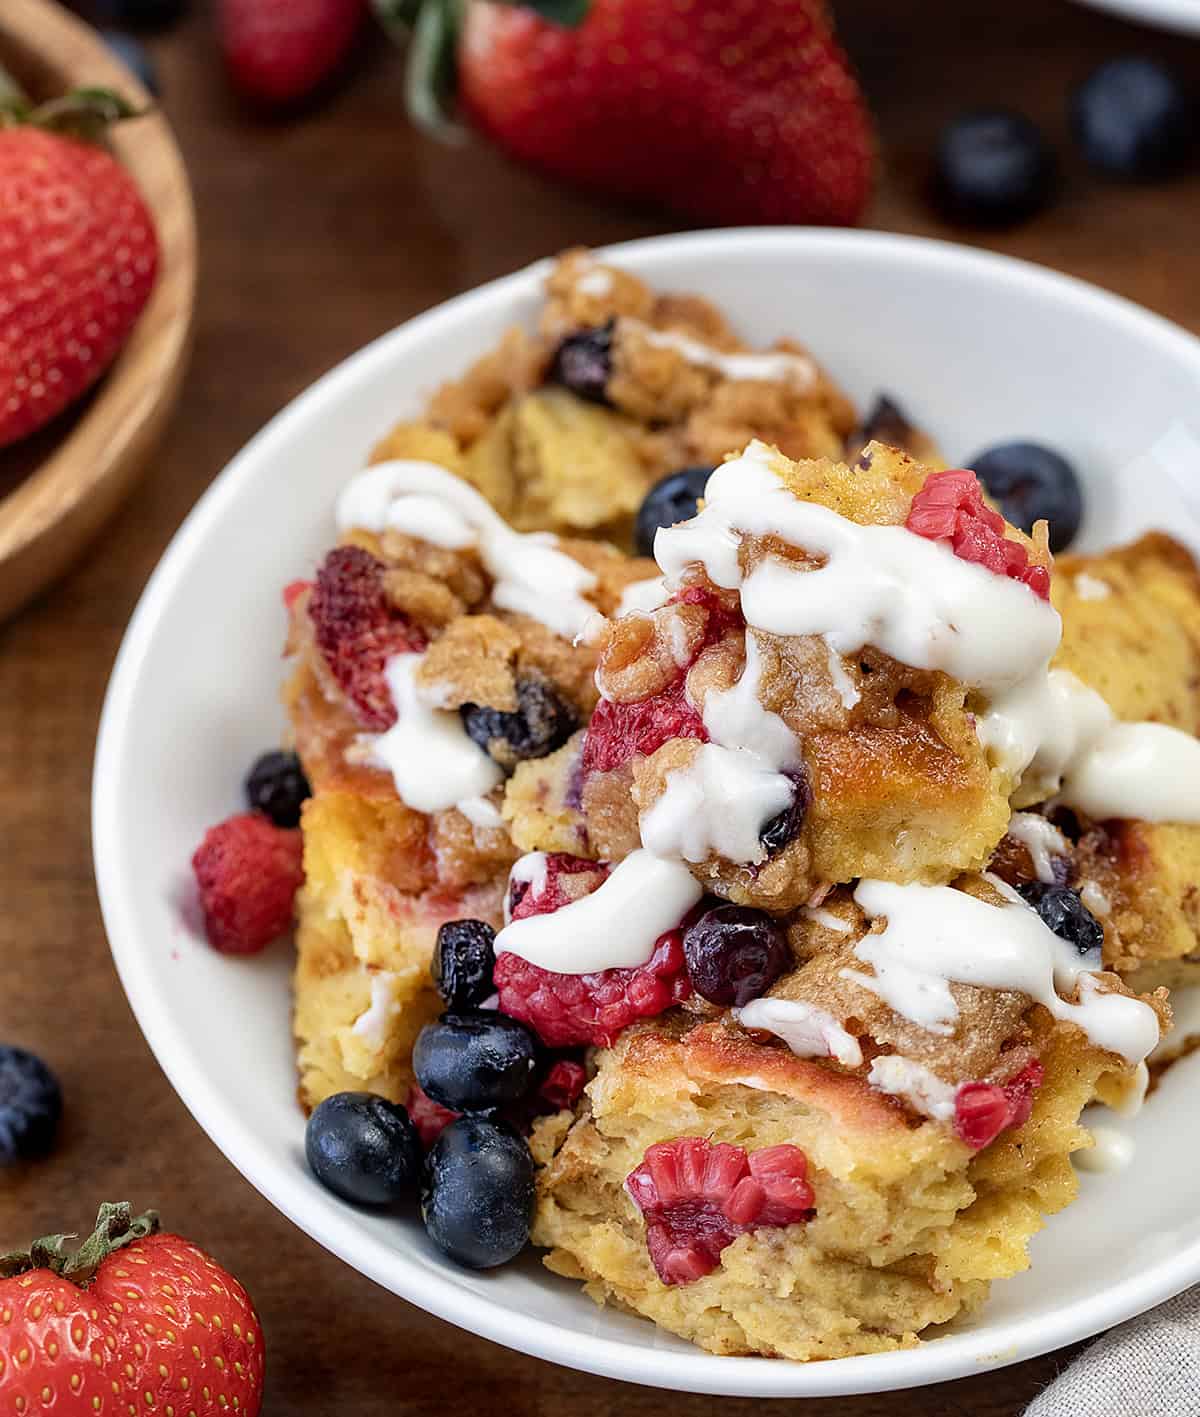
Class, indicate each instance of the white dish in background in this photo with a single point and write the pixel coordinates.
(980, 349)
(1180, 15)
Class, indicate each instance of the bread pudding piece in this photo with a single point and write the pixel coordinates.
(1131, 630)
(388, 857)
(919, 1155)
(566, 428)
(803, 707)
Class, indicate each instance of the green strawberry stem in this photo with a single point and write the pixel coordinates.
(84, 112)
(430, 30)
(116, 1225)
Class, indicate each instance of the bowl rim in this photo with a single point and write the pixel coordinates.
(950, 1356)
(51, 513)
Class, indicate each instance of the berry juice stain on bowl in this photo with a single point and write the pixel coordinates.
(562, 872)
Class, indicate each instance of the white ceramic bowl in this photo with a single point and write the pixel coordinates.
(980, 349)
(1180, 15)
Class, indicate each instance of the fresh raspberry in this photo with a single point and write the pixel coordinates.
(618, 732)
(563, 1084)
(429, 1117)
(698, 1196)
(950, 507)
(566, 879)
(982, 1110)
(568, 1009)
(293, 591)
(248, 871)
(358, 630)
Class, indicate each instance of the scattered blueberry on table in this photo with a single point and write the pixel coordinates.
(993, 167)
(1133, 118)
(477, 1193)
(1030, 482)
(276, 785)
(363, 1148)
(675, 498)
(30, 1106)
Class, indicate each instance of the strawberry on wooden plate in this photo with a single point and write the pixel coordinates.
(722, 110)
(78, 255)
(133, 1321)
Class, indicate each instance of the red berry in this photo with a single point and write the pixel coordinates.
(293, 591)
(754, 113)
(429, 1117)
(248, 871)
(568, 1009)
(982, 1110)
(78, 259)
(563, 1084)
(617, 732)
(950, 507)
(358, 630)
(279, 51)
(698, 1196)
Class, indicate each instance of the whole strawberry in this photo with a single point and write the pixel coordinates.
(78, 258)
(278, 52)
(725, 112)
(133, 1321)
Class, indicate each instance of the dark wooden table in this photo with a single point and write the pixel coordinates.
(317, 235)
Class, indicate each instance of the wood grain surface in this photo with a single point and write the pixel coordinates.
(78, 474)
(315, 236)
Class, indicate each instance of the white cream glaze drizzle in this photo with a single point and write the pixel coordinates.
(908, 596)
(1057, 733)
(433, 762)
(922, 1089)
(825, 917)
(480, 812)
(424, 500)
(936, 936)
(644, 595)
(1042, 839)
(1111, 1150)
(374, 1023)
(808, 1031)
(1091, 587)
(615, 927)
(733, 785)
(770, 366)
(531, 870)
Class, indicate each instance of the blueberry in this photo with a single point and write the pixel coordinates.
(463, 960)
(30, 1106)
(673, 499)
(785, 825)
(735, 953)
(277, 786)
(363, 1148)
(540, 723)
(134, 56)
(472, 1062)
(477, 1194)
(583, 363)
(1029, 482)
(1133, 118)
(887, 422)
(993, 168)
(1064, 913)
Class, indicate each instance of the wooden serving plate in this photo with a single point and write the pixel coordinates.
(84, 463)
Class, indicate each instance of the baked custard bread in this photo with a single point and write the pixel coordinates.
(776, 905)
